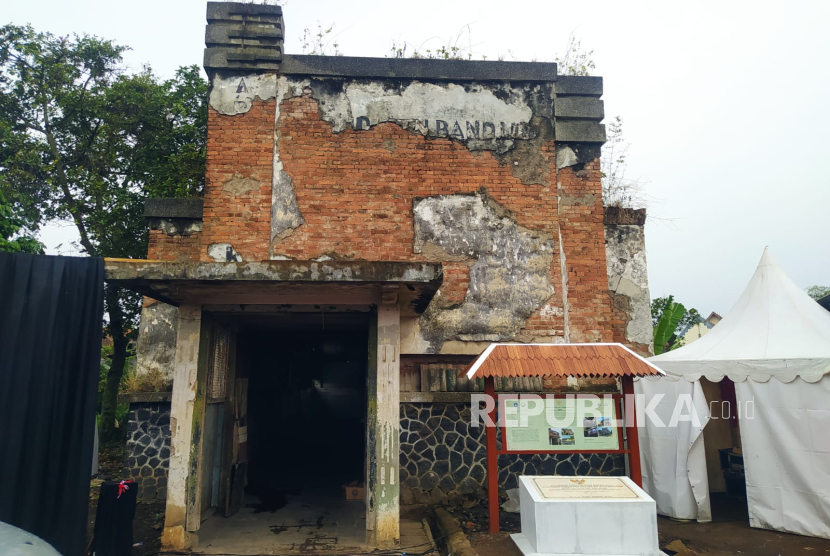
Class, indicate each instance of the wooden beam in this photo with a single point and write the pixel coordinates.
(492, 460)
(631, 432)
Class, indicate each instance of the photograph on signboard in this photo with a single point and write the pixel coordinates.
(561, 425)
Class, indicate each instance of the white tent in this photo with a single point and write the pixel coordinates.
(775, 346)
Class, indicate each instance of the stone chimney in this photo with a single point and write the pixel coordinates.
(245, 37)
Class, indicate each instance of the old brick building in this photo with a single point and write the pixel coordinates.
(404, 212)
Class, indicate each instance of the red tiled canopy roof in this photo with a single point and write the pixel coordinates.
(577, 360)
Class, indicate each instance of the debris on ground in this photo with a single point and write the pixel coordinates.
(677, 548)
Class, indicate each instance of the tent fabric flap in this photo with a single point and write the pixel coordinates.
(673, 458)
(760, 370)
(786, 447)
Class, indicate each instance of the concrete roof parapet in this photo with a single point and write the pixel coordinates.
(622, 216)
(174, 208)
(245, 37)
(417, 68)
(578, 110)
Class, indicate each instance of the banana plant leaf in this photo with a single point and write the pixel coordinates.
(668, 324)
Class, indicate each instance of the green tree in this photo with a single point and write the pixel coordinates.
(13, 234)
(817, 292)
(87, 142)
(663, 312)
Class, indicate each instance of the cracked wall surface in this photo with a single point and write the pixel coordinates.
(509, 273)
(628, 284)
(485, 117)
(364, 169)
(155, 348)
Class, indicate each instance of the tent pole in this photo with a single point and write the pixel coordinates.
(631, 431)
(492, 459)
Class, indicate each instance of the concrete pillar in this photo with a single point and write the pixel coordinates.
(190, 349)
(383, 429)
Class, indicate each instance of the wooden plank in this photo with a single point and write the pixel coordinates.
(237, 498)
(450, 379)
(437, 378)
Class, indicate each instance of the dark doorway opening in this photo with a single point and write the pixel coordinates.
(304, 422)
(306, 407)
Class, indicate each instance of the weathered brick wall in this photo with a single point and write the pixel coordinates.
(355, 189)
(237, 197)
(165, 247)
(583, 234)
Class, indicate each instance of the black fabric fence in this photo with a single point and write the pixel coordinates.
(51, 312)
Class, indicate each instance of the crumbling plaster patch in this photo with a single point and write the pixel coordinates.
(285, 212)
(224, 253)
(418, 106)
(176, 226)
(509, 278)
(234, 95)
(628, 276)
(510, 120)
(239, 185)
(574, 154)
(156, 344)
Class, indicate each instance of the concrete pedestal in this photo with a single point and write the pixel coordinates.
(581, 516)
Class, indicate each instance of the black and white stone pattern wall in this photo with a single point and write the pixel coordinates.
(444, 460)
(147, 456)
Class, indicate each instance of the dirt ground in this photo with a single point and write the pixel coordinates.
(729, 534)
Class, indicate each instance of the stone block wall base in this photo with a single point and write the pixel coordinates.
(176, 538)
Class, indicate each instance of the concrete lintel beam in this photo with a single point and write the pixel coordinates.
(127, 270)
(579, 108)
(174, 208)
(578, 85)
(579, 131)
(238, 34)
(243, 59)
(237, 11)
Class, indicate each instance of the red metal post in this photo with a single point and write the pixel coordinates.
(631, 432)
(492, 459)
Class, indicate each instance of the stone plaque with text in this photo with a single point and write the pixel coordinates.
(594, 488)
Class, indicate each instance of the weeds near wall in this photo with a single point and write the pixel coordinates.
(617, 189)
(457, 47)
(321, 42)
(151, 381)
(576, 60)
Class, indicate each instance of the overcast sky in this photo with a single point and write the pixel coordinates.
(724, 105)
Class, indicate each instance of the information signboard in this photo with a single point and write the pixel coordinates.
(570, 424)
